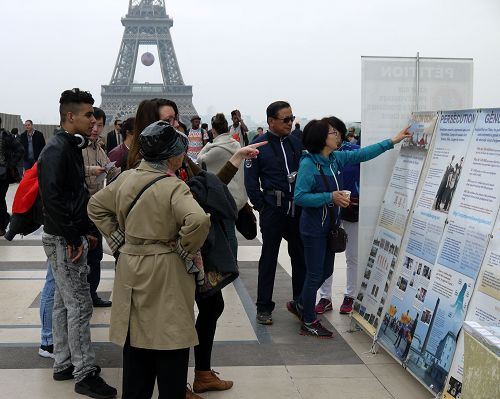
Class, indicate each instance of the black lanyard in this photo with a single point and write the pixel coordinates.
(335, 221)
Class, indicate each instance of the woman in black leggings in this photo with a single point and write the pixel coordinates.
(210, 308)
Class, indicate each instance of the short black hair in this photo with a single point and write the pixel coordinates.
(204, 126)
(219, 123)
(234, 112)
(314, 136)
(338, 125)
(115, 122)
(275, 107)
(28, 120)
(297, 126)
(99, 113)
(261, 128)
(160, 102)
(14, 131)
(71, 100)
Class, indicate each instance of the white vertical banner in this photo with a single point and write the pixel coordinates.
(388, 96)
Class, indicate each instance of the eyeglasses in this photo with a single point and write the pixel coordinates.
(170, 120)
(287, 119)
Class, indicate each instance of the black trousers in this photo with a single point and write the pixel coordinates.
(141, 367)
(210, 310)
(4, 216)
(94, 259)
(275, 226)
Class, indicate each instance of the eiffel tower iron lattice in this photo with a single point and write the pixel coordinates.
(146, 23)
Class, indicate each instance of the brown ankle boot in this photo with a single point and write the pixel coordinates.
(208, 381)
(190, 394)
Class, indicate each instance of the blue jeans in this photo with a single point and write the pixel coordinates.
(46, 306)
(319, 266)
(72, 309)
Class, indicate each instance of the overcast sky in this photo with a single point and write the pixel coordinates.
(243, 54)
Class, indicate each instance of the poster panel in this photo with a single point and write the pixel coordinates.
(463, 246)
(398, 201)
(405, 308)
(388, 96)
(485, 302)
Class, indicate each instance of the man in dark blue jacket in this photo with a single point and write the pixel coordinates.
(270, 183)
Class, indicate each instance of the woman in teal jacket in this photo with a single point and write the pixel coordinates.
(319, 201)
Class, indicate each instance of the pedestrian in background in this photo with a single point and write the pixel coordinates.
(33, 143)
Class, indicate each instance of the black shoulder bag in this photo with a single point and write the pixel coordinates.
(337, 237)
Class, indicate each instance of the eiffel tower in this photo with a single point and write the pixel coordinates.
(146, 23)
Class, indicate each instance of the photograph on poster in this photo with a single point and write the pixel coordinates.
(427, 272)
(408, 263)
(412, 281)
(421, 294)
(402, 283)
(426, 316)
(398, 331)
(454, 388)
(448, 185)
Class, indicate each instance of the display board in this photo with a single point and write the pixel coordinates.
(425, 228)
(445, 265)
(396, 205)
(485, 302)
(466, 235)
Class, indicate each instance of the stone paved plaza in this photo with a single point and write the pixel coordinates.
(264, 362)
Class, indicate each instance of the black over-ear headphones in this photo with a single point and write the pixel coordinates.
(84, 141)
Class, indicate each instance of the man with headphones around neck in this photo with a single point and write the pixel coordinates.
(67, 236)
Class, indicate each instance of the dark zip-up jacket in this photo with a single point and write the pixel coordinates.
(277, 159)
(61, 178)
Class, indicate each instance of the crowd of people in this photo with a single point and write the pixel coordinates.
(167, 200)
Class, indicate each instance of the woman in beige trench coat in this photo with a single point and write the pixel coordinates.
(152, 315)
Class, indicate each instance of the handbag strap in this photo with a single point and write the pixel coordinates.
(334, 221)
(142, 191)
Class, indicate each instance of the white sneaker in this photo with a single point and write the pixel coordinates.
(46, 351)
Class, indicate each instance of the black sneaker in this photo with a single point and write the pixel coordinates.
(67, 374)
(294, 308)
(95, 387)
(264, 318)
(101, 303)
(315, 329)
(46, 351)
(63, 375)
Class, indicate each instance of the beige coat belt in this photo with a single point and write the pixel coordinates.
(146, 249)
